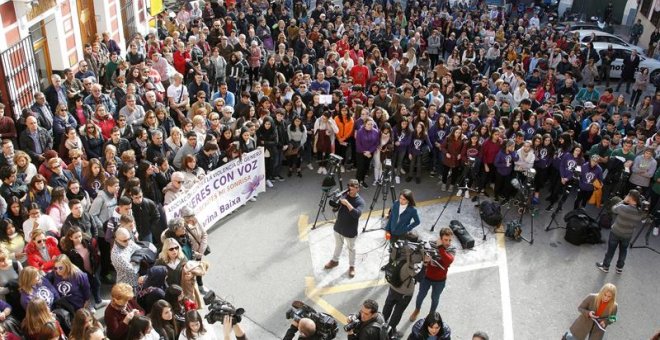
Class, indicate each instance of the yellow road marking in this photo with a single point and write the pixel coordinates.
(303, 231)
(347, 287)
(313, 294)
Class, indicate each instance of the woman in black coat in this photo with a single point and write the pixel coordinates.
(267, 137)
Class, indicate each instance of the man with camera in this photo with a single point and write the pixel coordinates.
(628, 216)
(306, 327)
(436, 273)
(367, 325)
(346, 226)
(404, 256)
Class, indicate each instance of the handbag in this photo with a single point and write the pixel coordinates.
(291, 151)
(208, 248)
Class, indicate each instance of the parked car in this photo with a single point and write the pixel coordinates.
(578, 26)
(603, 37)
(621, 52)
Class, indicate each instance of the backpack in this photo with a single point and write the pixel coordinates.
(513, 231)
(491, 213)
(393, 272)
(383, 330)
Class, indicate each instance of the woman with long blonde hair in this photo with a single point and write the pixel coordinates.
(39, 321)
(597, 311)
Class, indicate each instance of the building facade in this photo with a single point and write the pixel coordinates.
(41, 37)
(649, 14)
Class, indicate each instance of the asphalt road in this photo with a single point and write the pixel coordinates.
(261, 261)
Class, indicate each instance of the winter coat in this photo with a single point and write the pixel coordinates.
(454, 148)
(629, 67)
(584, 326)
(399, 223)
(417, 330)
(35, 259)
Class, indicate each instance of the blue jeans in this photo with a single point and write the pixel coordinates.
(614, 242)
(436, 289)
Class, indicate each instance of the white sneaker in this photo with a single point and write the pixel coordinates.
(342, 169)
(269, 183)
(458, 193)
(253, 199)
(325, 171)
(466, 194)
(319, 171)
(656, 231)
(310, 166)
(397, 179)
(403, 172)
(375, 183)
(450, 188)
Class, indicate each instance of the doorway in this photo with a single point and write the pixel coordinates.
(87, 18)
(41, 55)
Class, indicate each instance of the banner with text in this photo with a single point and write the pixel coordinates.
(224, 189)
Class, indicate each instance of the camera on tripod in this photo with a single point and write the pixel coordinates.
(333, 163)
(219, 308)
(326, 325)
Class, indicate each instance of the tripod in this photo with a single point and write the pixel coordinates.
(385, 180)
(331, 179)
(524, 207)
(468, 178)
(562, 200)
(647, 223)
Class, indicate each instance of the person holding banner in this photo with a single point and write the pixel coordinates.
(597, 311)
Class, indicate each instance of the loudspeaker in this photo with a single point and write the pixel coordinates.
(467, 242)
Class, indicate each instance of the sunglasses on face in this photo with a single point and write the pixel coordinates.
(174, 248)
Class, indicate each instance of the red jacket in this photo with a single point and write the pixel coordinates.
(435, 273)
(180, 61)
(489, 151)
(35, 259)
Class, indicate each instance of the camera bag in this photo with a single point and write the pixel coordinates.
(491, 213)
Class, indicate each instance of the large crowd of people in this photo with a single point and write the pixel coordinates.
(442, 90)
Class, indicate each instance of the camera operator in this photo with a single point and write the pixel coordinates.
(306, 327)
(628, 216)
(399, 297)
(228, 327)
(435, 276)
(370, 323)
(591, 172)
(346, 226)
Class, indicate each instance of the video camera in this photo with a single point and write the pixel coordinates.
(219, 308)
(334, 197)
(326, 325)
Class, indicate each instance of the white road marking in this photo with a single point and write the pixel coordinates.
(505, 293)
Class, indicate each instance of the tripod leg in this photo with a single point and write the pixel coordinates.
(441, 212)
(373, 204)
(637, 236)
(324, 199)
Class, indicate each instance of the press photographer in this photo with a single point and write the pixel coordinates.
(310, 323)
(435, 275)
(628, 216)
(368, 324)
(346, 226)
